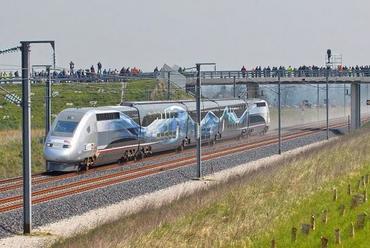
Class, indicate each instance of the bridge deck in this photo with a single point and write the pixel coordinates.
(283, 80)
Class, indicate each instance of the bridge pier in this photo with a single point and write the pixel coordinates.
(355, 106)
(252, 90)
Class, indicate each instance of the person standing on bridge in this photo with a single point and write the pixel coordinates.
(243, 70)
(71, 67)
(290, 71)
(99, 68)
(156, 71)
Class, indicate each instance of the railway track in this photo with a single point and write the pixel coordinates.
(68, 189)
(37, 179)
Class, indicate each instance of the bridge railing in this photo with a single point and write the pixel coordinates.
(82, 78)
(266, 73)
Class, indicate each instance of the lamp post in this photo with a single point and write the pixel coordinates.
(198, 128)
(327, 103)
(169, 85)
(279, 112)
(26, 132)
(26, 137)
(328, 66)
(47, 97)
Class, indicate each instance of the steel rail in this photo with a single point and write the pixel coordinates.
(111, 179)
(16, 182)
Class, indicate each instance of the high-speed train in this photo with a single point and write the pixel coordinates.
(84, 137)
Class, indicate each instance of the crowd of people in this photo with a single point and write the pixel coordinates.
(80, 73)
(100, 73)
(307, 71)
(73, 73)
(9, 74)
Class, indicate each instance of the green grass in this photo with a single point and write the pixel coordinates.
(316, 205)
(251, 210)
(11, 155)
(80, 95)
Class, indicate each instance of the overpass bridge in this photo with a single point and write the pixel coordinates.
(282, 76)
(252, 80)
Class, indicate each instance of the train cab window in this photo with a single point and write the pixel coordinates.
(65, 127)
(255, 119)
(261, 104)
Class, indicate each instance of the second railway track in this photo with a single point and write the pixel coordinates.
(51, 193)
(16, 183)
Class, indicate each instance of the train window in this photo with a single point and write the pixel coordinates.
(107, 116)
(193, 115)
(261, 104)
(254, 119)
(149, 119)
(203, 114)
(133, 115)
(217, 112)
(65, 127)
(238, 109)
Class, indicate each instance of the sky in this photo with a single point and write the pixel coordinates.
(149, 33)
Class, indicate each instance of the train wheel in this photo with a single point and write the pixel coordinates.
(181, 147)
(88, 164)
(138, 155)
(121, 160)
(80, 167)
(263, 132)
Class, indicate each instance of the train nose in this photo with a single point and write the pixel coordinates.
(56, 150)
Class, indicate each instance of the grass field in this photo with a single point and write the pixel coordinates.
(65, 96)
(70, 95)
(253, 209)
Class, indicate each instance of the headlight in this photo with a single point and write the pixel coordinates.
(66, 146)
(49, 144)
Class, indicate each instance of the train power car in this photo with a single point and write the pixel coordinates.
(84, 137)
